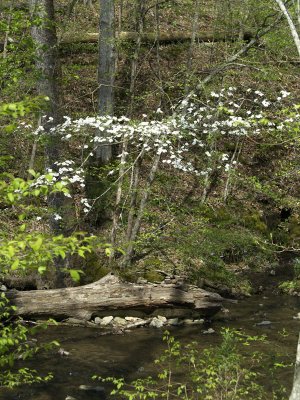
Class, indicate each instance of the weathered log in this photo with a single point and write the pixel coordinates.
(6, 5)
(164, 38)
(151, 37)
(109, 294)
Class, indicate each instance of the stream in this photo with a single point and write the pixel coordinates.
(124, 355)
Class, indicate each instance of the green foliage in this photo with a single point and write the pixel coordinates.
(24, 249)
(30, 250)
(296, 267)
(221, 372)
(16, 70)
(293, 286)
(215, 242)
(17, 344)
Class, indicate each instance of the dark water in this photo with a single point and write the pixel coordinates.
(123, 355)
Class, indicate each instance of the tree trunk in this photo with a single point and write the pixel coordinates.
(189, 63)
(106, 70)
(293, 29)
(136, 225)
(48, 66)
(109, 294)
(47, 63)
(295, 395)
(117, 209)
(140, 17)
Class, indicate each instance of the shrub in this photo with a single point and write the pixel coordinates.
(185, 372)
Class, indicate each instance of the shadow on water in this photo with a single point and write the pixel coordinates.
(123, 355)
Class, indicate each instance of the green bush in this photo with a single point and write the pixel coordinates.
(17, 344)
(221, 372)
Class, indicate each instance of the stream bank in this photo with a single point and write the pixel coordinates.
(86, 351)
(126, 355)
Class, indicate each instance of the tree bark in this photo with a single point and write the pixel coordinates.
(47, 63)
(109, 294)
(295, 395)
(189, 63)
(48, 67)
(140, 19)
(117, 209)
(293, 29)
(106, 70)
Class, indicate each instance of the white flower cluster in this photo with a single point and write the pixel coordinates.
(86, 205)
(191, 130)
(65, 172)
(159, 137)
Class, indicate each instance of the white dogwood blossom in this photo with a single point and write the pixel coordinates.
(192, 129)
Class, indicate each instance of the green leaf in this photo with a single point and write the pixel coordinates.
(42, 269)
(49, 177)
(15, 265)
(11, 197)
(37, 244)
(11, 251)
(81, 253)
(21, 217)
(75, 275)
(62, 253)
(36, 192)
(12, 107)
(32, 172)
(22, 228)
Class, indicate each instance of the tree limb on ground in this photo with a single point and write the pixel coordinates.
(109, 294)
(151, 37)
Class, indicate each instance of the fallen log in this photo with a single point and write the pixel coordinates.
(110, 294)
(151, 37)
(164, 38)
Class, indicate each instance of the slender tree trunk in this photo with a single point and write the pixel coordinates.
(137, 224)
(120, 16)
(133, 196)
(192, 46)
(292, 26)
(32, 156)
(118, 31)
(227, 184)
(4, 54)
(117, 210)
(71, 7)
(140, 11)
(106, 70)
(207, 181)
(295, 395)
(157, 43)
(88, 3)
(244, 50)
